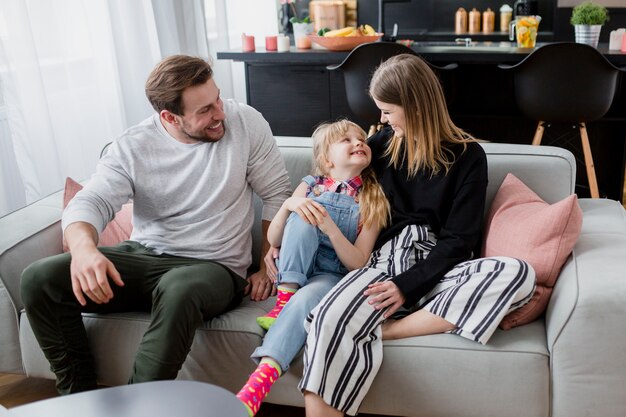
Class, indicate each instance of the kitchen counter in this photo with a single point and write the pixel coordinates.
(294, 91)
(434, 51)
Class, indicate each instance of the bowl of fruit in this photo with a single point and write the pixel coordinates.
(345, 39)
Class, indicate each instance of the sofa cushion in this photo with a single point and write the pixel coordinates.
(521, 225)
(118, 230)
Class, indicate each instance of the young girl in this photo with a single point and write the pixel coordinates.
(435, 177)
(327, 228)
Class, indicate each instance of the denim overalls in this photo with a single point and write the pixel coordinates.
(307, 258)
(306, 250)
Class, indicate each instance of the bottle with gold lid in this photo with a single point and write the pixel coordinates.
(489, 21)
(474, 21)
(506, 14)
(460, 21)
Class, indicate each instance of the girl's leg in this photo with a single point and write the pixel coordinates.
(259, 384)
(286, 337)
(297, 254)
(283, 295)
(470, 300)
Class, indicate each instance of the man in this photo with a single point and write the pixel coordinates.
(191, 170)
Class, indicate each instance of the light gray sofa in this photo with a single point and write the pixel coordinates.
(570, 363)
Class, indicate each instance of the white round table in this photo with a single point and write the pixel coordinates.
(149, 399)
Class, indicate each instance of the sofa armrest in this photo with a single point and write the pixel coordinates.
(28, 234)
(586, 330)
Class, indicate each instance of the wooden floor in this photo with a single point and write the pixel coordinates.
(18, 389)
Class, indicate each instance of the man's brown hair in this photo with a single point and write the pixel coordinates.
(171, 76)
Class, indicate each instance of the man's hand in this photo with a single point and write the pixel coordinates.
(270, 263)
(260, 286)
(90, 271)
(385, 295)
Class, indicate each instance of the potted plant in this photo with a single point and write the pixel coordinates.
(588, 18)
(301, 29)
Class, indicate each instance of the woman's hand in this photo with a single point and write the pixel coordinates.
(310, 211)
(385, 295)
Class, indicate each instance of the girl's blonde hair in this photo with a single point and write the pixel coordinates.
(373, 206)
(407, 81)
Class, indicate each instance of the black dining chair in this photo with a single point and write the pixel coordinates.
(358, 68)
(565, 82)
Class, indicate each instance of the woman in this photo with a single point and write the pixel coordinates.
(435, 178)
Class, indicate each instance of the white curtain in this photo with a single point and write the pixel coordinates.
(224, 28)
(72, 75)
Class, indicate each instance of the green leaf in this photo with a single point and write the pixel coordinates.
(296, 20)
(589, 13)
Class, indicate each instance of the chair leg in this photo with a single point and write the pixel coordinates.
(591, 171)
(538, 134)
(624, 190)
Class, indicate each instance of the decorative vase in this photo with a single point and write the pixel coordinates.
(588, 34)
(300, 35)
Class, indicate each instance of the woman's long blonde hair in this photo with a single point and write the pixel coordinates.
(407, 81)
(373, 205)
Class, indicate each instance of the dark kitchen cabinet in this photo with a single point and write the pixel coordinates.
(296, 98)
(292, 98)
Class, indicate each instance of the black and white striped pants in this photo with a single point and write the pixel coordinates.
(344, 347)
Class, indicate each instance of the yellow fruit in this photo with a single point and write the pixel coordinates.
(340, 32)
(369, 30)
(362, 30)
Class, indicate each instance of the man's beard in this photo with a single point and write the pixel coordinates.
(202, 136)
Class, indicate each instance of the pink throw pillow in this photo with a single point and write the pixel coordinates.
(521, 225)
(118, 230)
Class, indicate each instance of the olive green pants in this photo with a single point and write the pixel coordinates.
(179, 292)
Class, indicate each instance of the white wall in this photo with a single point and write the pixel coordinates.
(234, 17)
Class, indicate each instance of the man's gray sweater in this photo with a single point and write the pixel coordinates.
(192, 200)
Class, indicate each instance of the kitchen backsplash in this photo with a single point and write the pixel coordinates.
(428, 16)
(434, 19)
